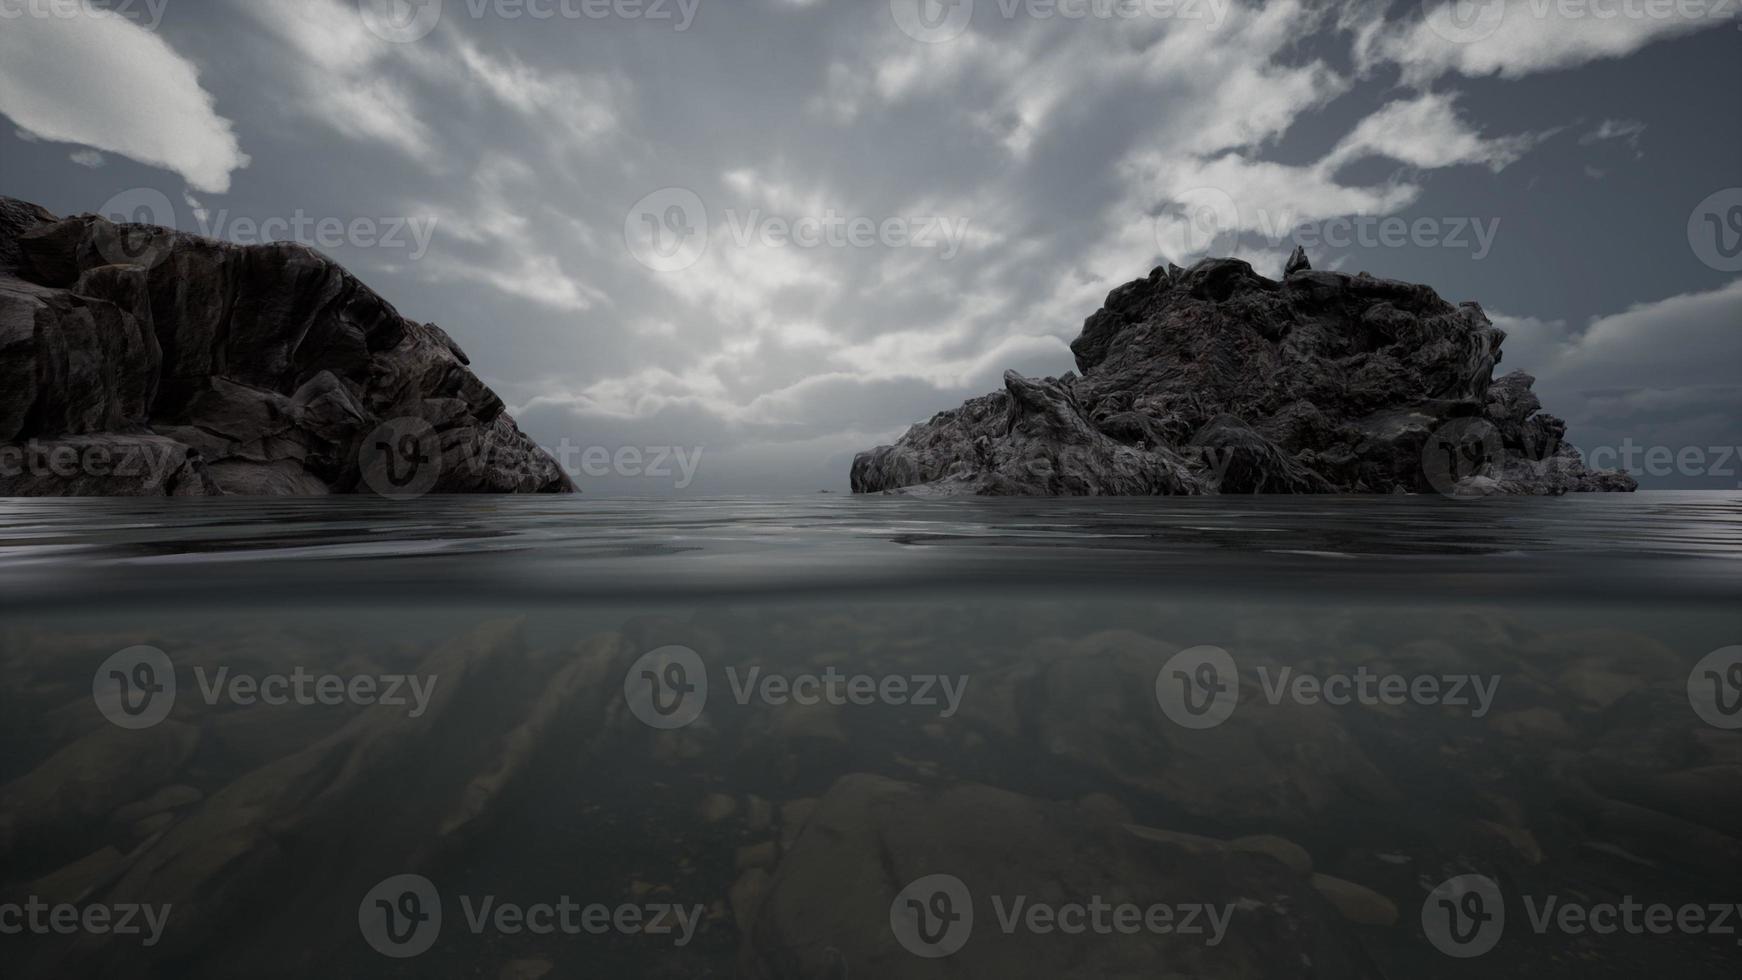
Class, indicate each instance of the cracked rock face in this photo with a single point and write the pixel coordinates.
(137, 360)
(1215, 379)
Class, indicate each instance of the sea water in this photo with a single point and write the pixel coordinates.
(802, 737)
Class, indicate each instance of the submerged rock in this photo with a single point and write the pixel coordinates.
(892, 879)
(137, 360)
(1215, 379)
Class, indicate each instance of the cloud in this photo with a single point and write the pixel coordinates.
(582, 106)
(1627, 130)
(344, 76)
(1686, 339)
(1426, 132)
(59, 81)
(1515, 38)
(1658, 374)
(490, 239)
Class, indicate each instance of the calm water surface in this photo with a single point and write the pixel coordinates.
(835, 737)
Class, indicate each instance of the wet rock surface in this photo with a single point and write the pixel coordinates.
(827, 910)
(136, 360)
(1215, 379)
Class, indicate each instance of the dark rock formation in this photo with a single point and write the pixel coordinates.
(1216, 379)
(137, 360)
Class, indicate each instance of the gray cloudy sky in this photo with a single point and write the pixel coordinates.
(782, 230)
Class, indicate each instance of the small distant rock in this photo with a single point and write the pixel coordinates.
(758, 813)
(1534, 723)
(526, 970)
(761, 855)
(746, 895)
(1107, 806)
(1358, 904)
(1297, 262)
(717, 807)
(1518, 838)
(1292, 855)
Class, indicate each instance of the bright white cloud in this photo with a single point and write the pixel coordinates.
(1514, 38)
(343, 75)
(1427, 132)
(59, 81)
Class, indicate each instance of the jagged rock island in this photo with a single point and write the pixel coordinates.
(137, 360)
(1215, 379)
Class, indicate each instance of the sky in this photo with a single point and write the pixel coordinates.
(768, 234)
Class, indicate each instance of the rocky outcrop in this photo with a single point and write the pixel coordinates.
(137, 360)
(1215, 379)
